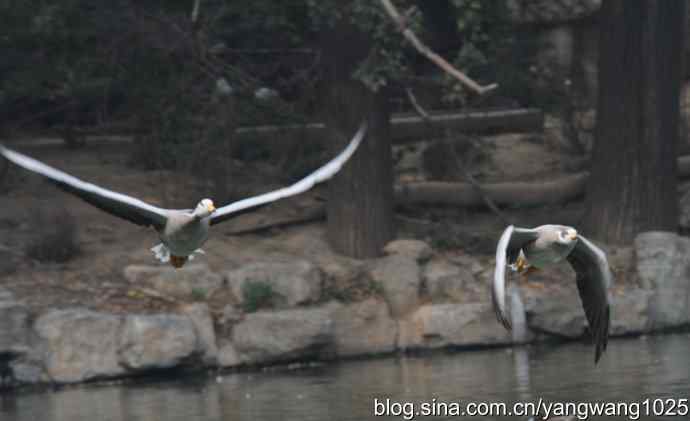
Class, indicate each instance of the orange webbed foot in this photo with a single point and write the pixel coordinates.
(178, 261)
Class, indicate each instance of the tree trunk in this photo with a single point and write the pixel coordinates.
(360, 200)
(633, 183)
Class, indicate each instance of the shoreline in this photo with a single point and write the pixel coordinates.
(415, 301)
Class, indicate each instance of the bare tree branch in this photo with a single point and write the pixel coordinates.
(475, 184)
(195, 11)
(431, 55)
(485, 197)
(418, 108)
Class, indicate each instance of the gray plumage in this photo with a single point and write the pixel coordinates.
(182, 231)
(549, 244)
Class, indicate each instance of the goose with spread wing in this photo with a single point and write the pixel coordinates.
(525, 250)
(182, 231)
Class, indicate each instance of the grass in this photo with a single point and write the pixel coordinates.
(354, 290)
(256, 295)
(198, 294)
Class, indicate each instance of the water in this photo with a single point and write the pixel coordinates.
(631, 370)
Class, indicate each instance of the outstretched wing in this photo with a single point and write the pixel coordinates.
(512, 240)
(593, 280)
(318, 176)
(120, 205)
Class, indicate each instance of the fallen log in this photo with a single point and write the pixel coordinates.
(407, 127)
(521, 193)
(508, 193)
(412, 127)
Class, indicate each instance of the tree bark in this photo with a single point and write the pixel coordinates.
(633, 183)
(360, 200)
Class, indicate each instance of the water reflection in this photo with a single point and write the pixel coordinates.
(631, 370)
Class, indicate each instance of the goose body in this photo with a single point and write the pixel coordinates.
(545, 245)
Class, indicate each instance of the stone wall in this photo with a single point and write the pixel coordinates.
(417, 300)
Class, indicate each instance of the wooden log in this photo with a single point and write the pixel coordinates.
(521, 193)
(405, 127)
(411, 127)
(508, 193)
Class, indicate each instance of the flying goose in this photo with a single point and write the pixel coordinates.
(525, 250)
(182, 231)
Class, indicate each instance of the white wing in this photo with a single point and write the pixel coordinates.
(318, 176)
(117, 204)
(498, 294)
(509, 246)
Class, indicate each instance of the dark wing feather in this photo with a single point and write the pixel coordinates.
(593, 279)
(322, 174)
(117, 204)
(512, 240)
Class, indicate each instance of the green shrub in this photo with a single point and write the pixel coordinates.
(256, 295)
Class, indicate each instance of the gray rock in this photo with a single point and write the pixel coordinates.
(185, 283)
(284, 335)
(200, 316)
(157, 341)
(457, 325)
(399, 276)
(339, 272)
(622, 261)
(663, 267)
(656, 253)
(415, 249)
(14, 326)
(557, 314)
(231, 315)
(364, 328)
(446, 281)
(630, 312)
(468, 263)
(227, 355)
(79, 344)
(293, 282)
(28, 371)
(6, 295)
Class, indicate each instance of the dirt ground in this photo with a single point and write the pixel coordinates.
(94, 278)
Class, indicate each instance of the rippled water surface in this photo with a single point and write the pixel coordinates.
(631, 370)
